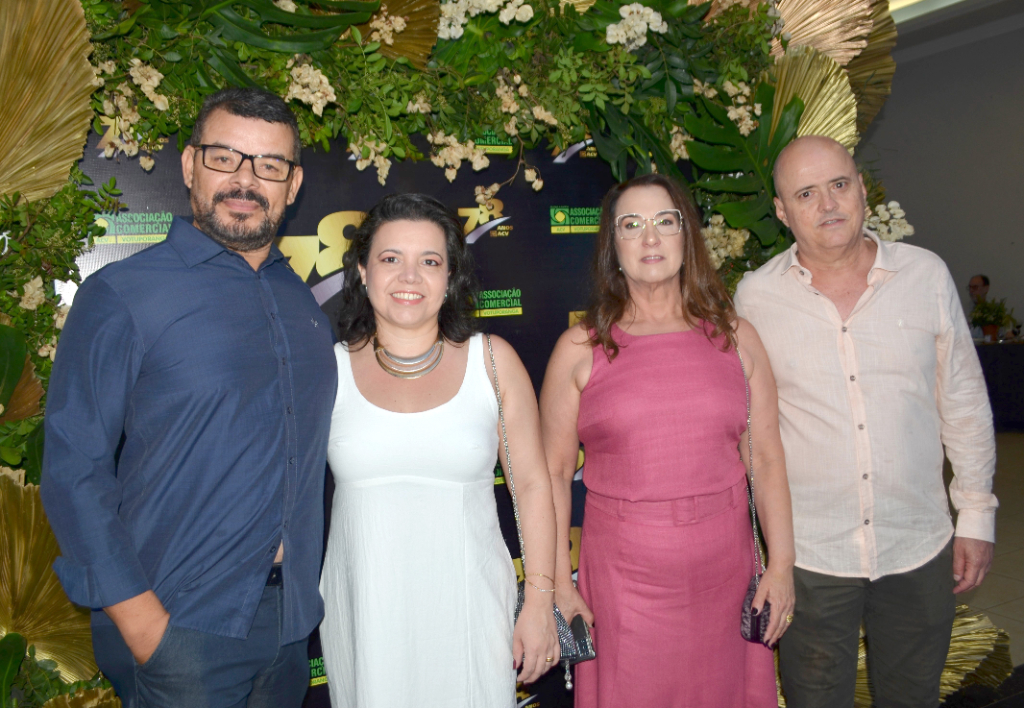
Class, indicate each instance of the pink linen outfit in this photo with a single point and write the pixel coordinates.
(667, 550)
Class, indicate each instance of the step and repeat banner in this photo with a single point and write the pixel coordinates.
(532, 251)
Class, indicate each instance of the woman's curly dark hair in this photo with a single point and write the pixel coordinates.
(356, 323)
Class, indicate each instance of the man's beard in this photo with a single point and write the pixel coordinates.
(242, 233)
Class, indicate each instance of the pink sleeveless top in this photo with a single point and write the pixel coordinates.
(663, 420)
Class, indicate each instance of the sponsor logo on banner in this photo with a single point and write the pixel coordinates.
(323, 252)
(317, 675)
(491, 144)
(575, 220)
(134, 227)
(499, 303)
(483, 218)
(583, 149)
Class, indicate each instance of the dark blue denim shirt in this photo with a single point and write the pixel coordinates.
(222, 380)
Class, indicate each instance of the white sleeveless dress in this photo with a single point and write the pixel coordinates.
(418, 585)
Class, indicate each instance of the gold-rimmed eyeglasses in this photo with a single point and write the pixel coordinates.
(668, 222)
(225, 159)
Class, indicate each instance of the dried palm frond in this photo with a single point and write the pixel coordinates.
(24, 401)
(837, 28)
(417, 40)
(45, 82)
(830, 108)
(872, 70)
(93, 698)
(32, 601)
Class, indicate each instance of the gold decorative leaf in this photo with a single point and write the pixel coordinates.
(838, 28)
(45, 84)
(872, 70)
(830, 108)
(24, 401)
(32, 601)
(93, 698)
(417, 40)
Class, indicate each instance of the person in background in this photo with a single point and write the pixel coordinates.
(652, 383)
(978, 288)
(186, 436)
(877, 377)
(418, 583)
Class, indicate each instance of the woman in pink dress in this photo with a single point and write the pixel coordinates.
(651, 383)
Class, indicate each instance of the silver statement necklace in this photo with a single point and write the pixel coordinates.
(409, 368)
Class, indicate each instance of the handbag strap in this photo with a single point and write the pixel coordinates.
(508, 457)
(758, 554)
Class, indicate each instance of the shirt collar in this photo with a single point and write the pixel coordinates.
(195, 247)
(885, 259)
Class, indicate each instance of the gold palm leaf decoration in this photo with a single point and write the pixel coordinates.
(838, 28)
(32, 602)
(978, 653)
(93, 698)
(830, 108)
(417, 40)
(872, 70)
(45, 82)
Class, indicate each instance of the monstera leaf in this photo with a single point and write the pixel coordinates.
(738, 164)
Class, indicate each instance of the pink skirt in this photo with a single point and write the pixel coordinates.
(666, 581)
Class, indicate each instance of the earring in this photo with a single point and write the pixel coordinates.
(620, 269)
(363, 286)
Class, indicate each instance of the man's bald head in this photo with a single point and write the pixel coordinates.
(809, 147)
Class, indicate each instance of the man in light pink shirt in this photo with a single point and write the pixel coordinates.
(877, 377)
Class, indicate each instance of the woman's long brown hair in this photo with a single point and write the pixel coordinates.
(704, 296)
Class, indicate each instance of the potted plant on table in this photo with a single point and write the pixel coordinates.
(990, 315)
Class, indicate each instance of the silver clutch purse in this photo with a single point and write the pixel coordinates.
(573, 637)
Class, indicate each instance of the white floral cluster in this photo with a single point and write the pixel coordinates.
(702, 89)
(374, 148)
(533, 178)
(419, 104)
(450, 153)
(516, 10)
(543, 114)
(678, 145)
(774, 14)
(33, 294)
(456, 13)
(385, 26)
(310, 86)
(889, 222)
(507, 94)
(286, 5)
(148, 79)
(723, 242)
(741, 112)
(120, 107)
(483, 195)
(632, 30)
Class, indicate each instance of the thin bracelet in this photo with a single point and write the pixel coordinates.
(540, 575)
(539, 589)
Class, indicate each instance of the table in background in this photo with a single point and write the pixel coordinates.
(1003, 365)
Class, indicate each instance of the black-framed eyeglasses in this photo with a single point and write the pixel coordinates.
(668, 222)
(225, 159)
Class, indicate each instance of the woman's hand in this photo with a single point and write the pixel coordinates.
(570, 603)
(535, 640)
(776, 588)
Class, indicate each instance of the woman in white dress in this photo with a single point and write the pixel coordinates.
(418, 586)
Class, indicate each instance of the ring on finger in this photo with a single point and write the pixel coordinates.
(549, 660)
(789, 619)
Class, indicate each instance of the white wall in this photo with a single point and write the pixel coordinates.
(949, 146)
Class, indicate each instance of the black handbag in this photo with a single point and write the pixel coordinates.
(573, 637)
(753, 627)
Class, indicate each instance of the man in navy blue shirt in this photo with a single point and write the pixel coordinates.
(186, 436)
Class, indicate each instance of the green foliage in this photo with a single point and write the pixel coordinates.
(12, 361)
(39, 681)
(992, 312)
(12, 653)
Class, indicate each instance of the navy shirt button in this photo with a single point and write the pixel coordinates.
(291, 460)
(283, 361)
(289, 409)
